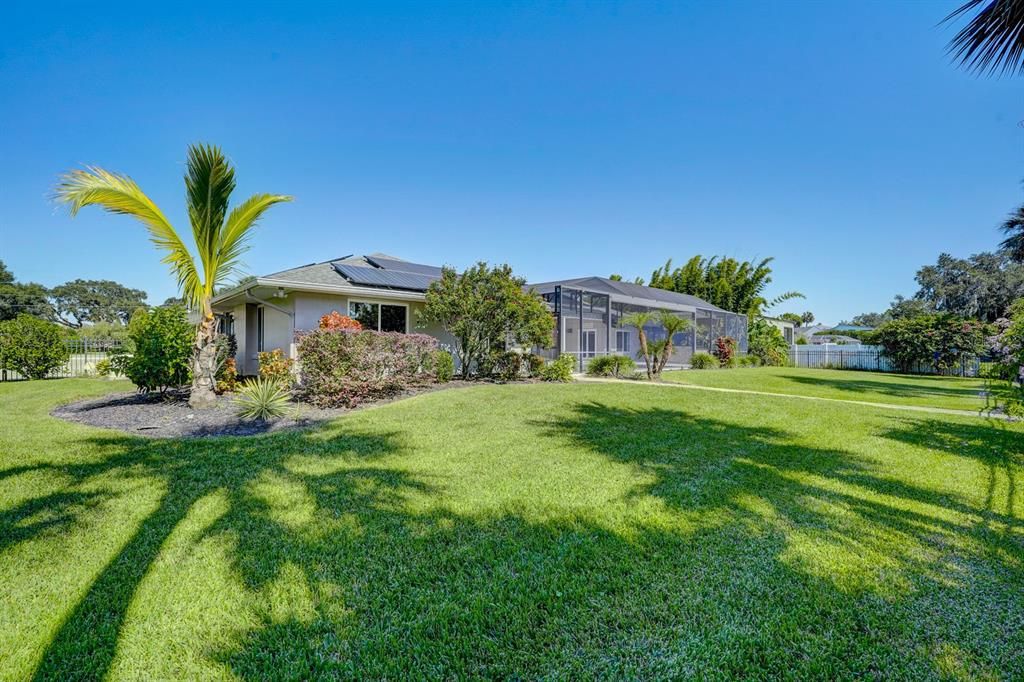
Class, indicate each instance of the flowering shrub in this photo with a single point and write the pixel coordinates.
(227, 377)
(725, 348)
(335, 321)
(346, 368)
(937, 341)
(1006, 346)
(276, 367)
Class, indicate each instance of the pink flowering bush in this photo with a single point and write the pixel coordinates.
(1006, 347)
(343, 368)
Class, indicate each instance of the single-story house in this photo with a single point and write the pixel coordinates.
(387, 294)
(787, 328)
(382, 292)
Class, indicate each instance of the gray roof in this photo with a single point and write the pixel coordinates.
(616, 289)
(343, 272)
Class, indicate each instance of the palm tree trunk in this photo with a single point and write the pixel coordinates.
(204, 364)
(643, 350)
(666, 353)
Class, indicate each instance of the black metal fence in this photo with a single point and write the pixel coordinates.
(871, 358)
(85, 353)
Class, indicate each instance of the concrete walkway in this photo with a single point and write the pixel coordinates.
(886, 406)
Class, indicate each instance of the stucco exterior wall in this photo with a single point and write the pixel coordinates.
(279, 329)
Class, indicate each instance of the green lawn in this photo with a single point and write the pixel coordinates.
(557, 531)
(873, 387)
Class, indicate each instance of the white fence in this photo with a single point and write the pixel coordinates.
(85, 353)
(871, 358)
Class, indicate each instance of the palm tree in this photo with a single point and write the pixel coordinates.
(993, 41)
(672, 324)
(220, 237)
(656, 354)
(641, 320)
(1014, 227)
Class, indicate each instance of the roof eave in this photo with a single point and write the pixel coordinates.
(307, 287)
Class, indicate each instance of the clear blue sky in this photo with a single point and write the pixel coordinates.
(565, 139)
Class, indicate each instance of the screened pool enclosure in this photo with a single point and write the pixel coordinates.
(588, 319)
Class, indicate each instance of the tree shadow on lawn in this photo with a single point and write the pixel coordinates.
(769, 559)
(993, 445)
(939, 389)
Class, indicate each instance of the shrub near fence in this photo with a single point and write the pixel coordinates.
(85, 353)
(869, 358)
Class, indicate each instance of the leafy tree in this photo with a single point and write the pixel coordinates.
(615, 277)
(18, 298)
(906, 308)
(483, 309)
(220, 238)
(26, 298)
(32, 347)
(869, 319)
(807, 318)
(91, 301)
(726, 283)
(791, 317)
(982, 286)
(993, 40)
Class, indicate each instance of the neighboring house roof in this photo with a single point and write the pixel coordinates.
(628, 290)
(811, 331)
(851, 328)
(377, 271)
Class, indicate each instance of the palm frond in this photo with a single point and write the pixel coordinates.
(234, 237)
(1013, 226)
(209, 182)
(789, 295)
(993, 41)
(120, 194)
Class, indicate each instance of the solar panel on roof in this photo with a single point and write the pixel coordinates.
(403, 266)
(375, 277)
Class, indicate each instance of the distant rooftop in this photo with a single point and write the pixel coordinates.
(618, 289)
(851, 328)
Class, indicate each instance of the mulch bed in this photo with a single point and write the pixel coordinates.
(169, 416)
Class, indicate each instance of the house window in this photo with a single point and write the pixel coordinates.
(380, 317)
(622, 340)
(259, 329)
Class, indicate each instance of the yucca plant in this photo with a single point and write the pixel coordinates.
(262, 399)
(220, 238)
